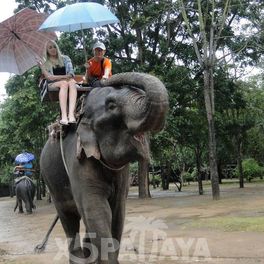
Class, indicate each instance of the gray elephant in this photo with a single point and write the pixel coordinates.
(87, 172)
(25, 191)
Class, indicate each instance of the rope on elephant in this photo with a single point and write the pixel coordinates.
(62, 152)
(110, 168)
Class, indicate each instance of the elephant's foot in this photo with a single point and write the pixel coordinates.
(20, 211)
(77, 256)
(29, 212)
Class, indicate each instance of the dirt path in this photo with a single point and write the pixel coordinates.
(171, 227)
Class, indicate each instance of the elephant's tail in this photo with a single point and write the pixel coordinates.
(41, 247)
(16, 205)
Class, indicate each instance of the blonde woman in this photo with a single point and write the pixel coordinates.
(58, 70)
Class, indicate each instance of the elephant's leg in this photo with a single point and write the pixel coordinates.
(20, 206)
(71, 225)
(118, 205)
(118, 218)
(28, 206)
(97, 217)
(86, 241)
(32, 195)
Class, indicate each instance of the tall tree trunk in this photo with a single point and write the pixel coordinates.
(38, 189)
(198, 166)
(206, 58)
(143, 179)
(209, 104)
(12, 186)
(239, 163)
(219, 169)
(165, 175)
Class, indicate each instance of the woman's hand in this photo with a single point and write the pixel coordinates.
(39, 62)
(51, 77)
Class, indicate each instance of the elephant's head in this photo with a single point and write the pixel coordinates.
(116, 117)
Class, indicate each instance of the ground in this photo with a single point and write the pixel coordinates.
(172, 227)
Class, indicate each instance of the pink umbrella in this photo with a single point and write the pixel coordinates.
(21, 42)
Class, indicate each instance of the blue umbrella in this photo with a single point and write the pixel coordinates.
(24, 157)
(79, 16)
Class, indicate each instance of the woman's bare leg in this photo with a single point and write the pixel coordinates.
(72, 99)
(63, 97)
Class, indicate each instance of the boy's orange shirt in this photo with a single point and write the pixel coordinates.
(95, 68)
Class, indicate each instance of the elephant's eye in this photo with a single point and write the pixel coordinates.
(111, 106)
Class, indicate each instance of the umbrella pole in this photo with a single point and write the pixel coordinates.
(83, 42)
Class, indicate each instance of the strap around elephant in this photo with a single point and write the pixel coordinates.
(62, 153)
(110, 168)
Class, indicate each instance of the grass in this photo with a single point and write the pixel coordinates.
(227, 223)
(250, 221)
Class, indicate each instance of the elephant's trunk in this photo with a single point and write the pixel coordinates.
(156, 99)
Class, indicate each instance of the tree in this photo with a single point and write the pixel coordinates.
(24, 117)
(143, 179)
(151, 38)
(254, 96)
(207, 23)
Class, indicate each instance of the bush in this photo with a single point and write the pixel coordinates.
(194, 174)
(187, 177)
(155, 181)
(6, 174)
(251, 169)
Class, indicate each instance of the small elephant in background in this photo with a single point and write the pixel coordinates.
(25, 191)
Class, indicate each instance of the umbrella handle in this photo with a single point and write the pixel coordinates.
(84, 48)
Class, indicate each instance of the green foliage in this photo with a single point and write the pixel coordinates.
(151, 38)
(155, 180)
(188, 177)
(133, 168)
(251, 169)
(194, 174)
(6, 175)
(23, 120)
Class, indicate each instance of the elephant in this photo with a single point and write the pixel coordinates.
(25, 191)
(87, 170)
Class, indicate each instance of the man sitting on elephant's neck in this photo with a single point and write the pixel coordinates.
(98, 67)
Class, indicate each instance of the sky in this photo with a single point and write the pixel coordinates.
(6, 11)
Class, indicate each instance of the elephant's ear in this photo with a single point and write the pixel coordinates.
(86, 140)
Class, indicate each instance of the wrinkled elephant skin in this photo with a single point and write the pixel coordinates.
(111, 133)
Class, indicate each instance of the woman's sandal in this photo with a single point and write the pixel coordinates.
(72, 121)
(64, 122)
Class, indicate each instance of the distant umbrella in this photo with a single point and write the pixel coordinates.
(24, 157)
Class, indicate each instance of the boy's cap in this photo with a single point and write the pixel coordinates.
(99, 45)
